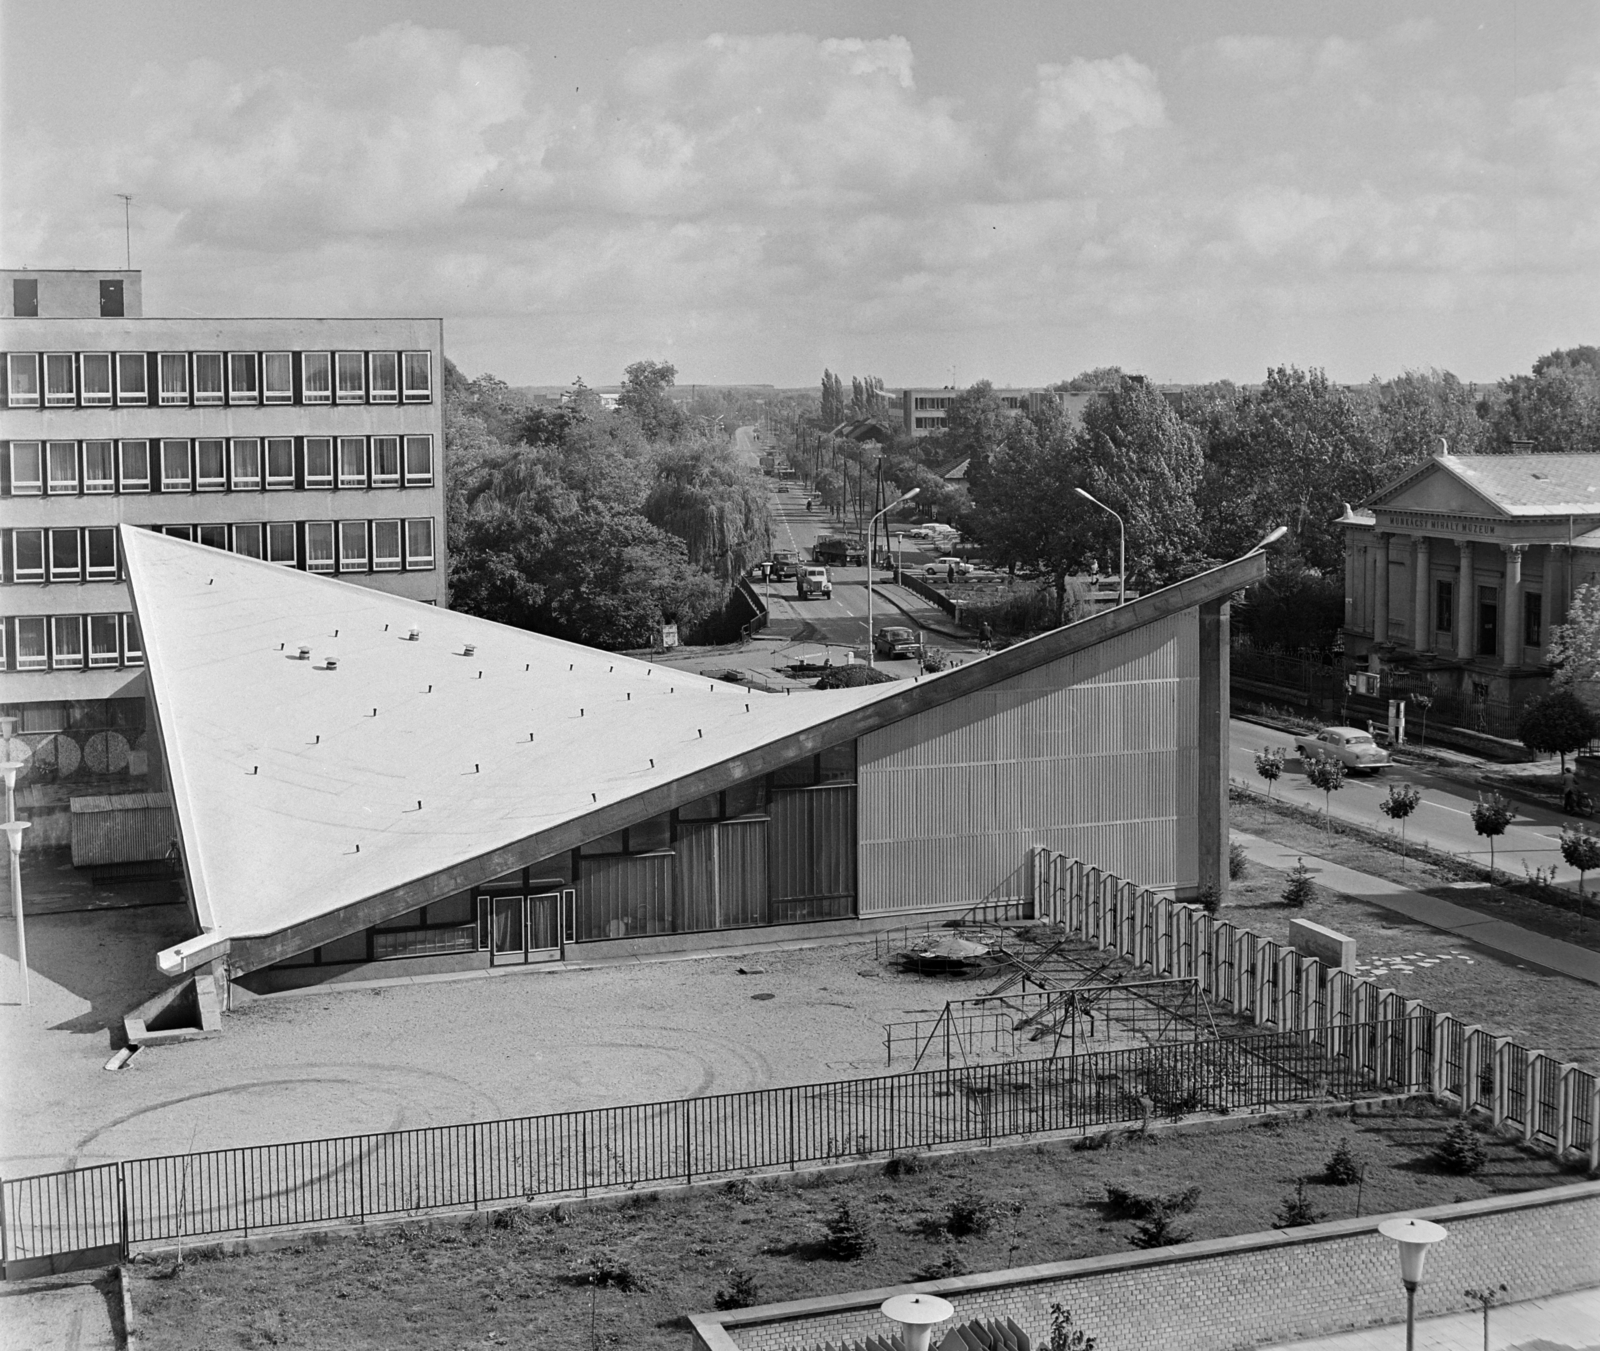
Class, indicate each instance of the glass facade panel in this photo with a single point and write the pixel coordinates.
(99, 467)
(277, 377)
(280, 462)
(133, 378)
(173, 371)
(319, 462)
(95, 373)
(135, 463)
(316, 377)
(208, 377)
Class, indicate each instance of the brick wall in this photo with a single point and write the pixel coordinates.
(1227, 1293)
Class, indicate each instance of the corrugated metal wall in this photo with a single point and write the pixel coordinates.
(127, 828)
(1094, 755)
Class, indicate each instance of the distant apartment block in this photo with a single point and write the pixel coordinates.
(314, 444)
(923, 411)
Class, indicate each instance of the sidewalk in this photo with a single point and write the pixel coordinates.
(1555, 1323)
(1509, 940)
(924, 614)
(81, 1311)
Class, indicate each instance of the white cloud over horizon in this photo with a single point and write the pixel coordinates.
(755, 206)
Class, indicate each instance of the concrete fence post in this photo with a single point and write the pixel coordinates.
(1312, 1016)
(1288, 967)
(1263, 996)
(1244, 968)
(1471, 1068)
(1594, 1129)
(1385, 1065)
(1498, 1115)
(1530, 1100)
(1569, 1101)
(1436, 1062)
(1415, 1075)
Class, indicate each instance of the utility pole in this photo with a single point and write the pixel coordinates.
(127, 228)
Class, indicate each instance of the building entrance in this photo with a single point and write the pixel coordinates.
(522, 928)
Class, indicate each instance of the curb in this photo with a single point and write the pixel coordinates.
(130, 1336)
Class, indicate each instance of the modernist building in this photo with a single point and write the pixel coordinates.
(924, 411)
(313, 444)
(357, 778)
(1456, 571)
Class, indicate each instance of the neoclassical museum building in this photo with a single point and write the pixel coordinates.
(1456, 572)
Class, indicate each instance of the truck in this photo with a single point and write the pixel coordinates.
(813, 581)
(840, 553)
(785, 564)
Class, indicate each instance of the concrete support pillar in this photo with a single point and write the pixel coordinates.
(1472, 1068)
(1380, 596)
(1466, 603)
(1511, 618)
(1369, 585)
(1557, 584)
(1352, 608)
(1421, 608)
(1213, 748)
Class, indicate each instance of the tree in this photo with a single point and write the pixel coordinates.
(975, 424)
(1145, 463)
(1575, 646)
(1580, 847)
(832, 401)
(715, 505)
(1490, 817)
(1298, 891)
(1292, 607)
(1269, 764)
(1486, 1299)
(1417, 411)
(1424, 702)
(1557, 407)
(644, 397)
(1065, 1337)
(1328, 776)
(1557, 723)
(1401, 802)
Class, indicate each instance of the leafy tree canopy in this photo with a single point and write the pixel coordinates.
(1557, 723)
(644, 397)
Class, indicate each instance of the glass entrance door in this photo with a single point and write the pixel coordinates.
(544, 927)
(506, 931)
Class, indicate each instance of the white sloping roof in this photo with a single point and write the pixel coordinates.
(297, 787)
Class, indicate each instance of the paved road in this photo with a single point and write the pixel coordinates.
(1443, 819)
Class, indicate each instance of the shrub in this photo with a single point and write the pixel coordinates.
(1065, 1337)
(936, 659)
(904, 1165)
(1461, 1151)
(971, 1215)
(1296, 1210)
(1209, 900)
(850, 676)
(614, 1275)
(742, 1290)
(1342, 1167)
(950, 1263)
(1298, 891)
(1159, 1231)
(741, 1190)
(1125, 1203)
(846, 1239)
(1238, 864)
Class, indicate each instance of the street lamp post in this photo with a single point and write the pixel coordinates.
(1414, 1237)
(1122, 546)
(14, 831)
(872, 530)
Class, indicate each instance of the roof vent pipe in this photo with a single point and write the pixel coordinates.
(332, 664)
(413, 633)
(469, 649)
(305, 652)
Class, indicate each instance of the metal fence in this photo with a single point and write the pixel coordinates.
(353, 1178)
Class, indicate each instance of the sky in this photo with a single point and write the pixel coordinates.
(931, 192)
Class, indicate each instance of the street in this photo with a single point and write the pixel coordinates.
(1443, 819)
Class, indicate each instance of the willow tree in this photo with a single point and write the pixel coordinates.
(714, 504)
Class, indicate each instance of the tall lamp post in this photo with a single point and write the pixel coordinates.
(1414, 1237)
(13, 830)
(1122, 546)
(872, 531)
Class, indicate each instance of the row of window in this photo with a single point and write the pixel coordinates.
(219, 464)
(211, 379)
(69, 642)
(91, 555)
(1488, 617)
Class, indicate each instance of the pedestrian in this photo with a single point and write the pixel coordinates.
(1569, 791)
(950, 573)
(985, 635)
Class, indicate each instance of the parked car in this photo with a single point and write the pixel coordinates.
(940, 567)
(894, 641)
(813, 581)
(1353, 747)
(916, 532)
(785, 564)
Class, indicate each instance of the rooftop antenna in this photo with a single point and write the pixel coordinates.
(127, 227)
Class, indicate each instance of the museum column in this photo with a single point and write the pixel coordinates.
(1380, 588)
(1511, 635)
(1421, 621)
(1466, 602)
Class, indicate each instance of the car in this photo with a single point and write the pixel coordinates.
(813, 581)
(917, 532)
(895, 641)
(940, 567)
(1353, 747)
(785, 564)
(783, 487)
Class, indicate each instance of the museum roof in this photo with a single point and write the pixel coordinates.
(1566, 484)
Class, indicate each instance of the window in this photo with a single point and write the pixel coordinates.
(383, 375)
(352, 546)
(244, 378)
(66, 640)
(99, 467)
(385, 461)
(386, 546)
(212, 536)
(59, 391)
(27, 555)
(319, 462)
(606, 844)
(24, 305)
(66, 563)
(748, 798)
(316, 377)
(280, 462)
(419, 461)
(247, 540)
(173, 372)
(280, 543)
(419, 543)
(352, 462)
(208, 377)
(32, 637)
(174, 466)
(94, 370)
(837, 764)
(652, 836)
(63, 460)
(351, 385)
(1533, 620)
(277, 377)
(179, 531)
(132, 644)
(101, 548)
(210, 468)
(104, 650)
(1444, 607)
(319, 546)
(418, 368)
(246, 464)
(133, 378)
(27, 469)
(135, 457)
(22, 380)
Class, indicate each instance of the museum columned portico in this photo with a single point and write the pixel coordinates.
(1456, 574)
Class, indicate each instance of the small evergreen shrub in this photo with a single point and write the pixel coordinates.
(971, 1215)
(950, 1263)
(904, 1165)
(1461, 1151)
(742, 1290)
(1209, 900)
(1238, 864)
(1127, 1204)
(1159, 1231)
(1296, 1210)
(851, 676)
(1343, 1168)
(846, 1239)
(1298, 891)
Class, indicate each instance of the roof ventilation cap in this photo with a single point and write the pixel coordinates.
(413, 633)
(305, 652)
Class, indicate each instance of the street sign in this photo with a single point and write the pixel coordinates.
(669, 635)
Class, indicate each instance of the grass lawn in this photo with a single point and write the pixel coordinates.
(1545, 1013)
(500, 1278)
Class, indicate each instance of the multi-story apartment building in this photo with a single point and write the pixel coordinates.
(923, 411)
(310, 443)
